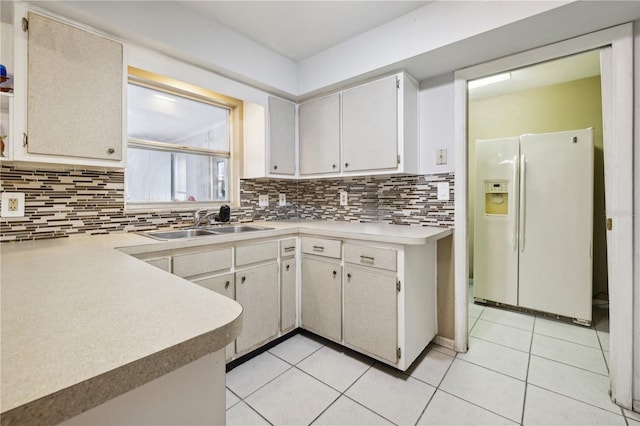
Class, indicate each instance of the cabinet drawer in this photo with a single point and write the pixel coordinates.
(222, 284)
(246, 255)
(288, 247)
(371, 256)
(186, 265)
(321, 247)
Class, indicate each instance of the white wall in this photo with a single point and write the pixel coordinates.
(436, 123)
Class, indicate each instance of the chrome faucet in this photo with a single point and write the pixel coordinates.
(199, 217)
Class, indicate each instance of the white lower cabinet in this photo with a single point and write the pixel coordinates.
(288, 299)
(322, 297)
(370, 322)
(224, 285)
(257, 292)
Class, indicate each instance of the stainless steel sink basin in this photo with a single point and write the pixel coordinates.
(234, 229)
(179, 233)
(203, 232)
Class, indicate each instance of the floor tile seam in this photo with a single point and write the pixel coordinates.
(577, 400)
(478, 405)
(526, 377)
(271, 380)
(292, 364)
(557, 392)
(603, 351)
(570, 341)
(491, 369)
(570, 365)
(506, 325)
(499, 344)
(437, 388)
(255, 411)
(318, 379)
(236, 395)
(344, 393)
(325, 409)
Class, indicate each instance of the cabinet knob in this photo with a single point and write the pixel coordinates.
(335, 273)
(275, 167)
(226, 285)
(111, 151)
(348, 276)
(243, 279)
(333, 166)
(346, 164)
(287, 267)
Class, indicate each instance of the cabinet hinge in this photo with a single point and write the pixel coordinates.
(609, 224)
(25, 139)
(399, 353)
(398, 285)
(398, 83)
(398, 158)
(25, 24)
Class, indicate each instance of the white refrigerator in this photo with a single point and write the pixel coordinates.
(534, 222)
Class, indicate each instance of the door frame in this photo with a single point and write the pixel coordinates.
(618, 151)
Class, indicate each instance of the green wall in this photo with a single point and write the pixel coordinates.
(567, 106)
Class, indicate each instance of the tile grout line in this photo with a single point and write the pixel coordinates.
(437, 388)
(526, 377)
(577, 400)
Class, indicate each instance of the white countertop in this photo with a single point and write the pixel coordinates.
(83, 322)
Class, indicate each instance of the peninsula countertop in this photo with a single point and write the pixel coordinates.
(83, 321)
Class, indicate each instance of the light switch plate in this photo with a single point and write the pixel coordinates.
(441, 156)
(263, 200)
(282, 199)
(12, 204)
(443, 191)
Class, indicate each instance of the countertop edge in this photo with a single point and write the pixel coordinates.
(63, 405)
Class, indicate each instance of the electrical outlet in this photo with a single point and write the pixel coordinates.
(263, 200)
(282, 199)
(441, 156)
(344, 198)
(12, 204)
(443, 191)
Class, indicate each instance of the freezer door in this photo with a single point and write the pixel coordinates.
(495, 259)
(556, 223)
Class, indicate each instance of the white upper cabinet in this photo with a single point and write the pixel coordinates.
(69, 97)
(370, 126)
(368, 129)
(282, 137)
(320, 136)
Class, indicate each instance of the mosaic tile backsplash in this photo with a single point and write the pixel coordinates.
(61, 202)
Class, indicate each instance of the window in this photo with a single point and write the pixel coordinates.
(180, 143)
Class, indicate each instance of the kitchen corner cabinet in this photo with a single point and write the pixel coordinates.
(282, 137)
(69, 112)
(380, 126)
(319, 136)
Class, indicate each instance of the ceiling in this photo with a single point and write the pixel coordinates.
(300, 29)
(570, 68)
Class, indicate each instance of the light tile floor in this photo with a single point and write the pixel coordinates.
(520, 369)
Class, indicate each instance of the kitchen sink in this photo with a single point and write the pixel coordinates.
(234, 229)
(203, 232)
(179, 233)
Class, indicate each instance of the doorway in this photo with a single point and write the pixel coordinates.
(617, 96)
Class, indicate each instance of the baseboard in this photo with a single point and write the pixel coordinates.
(445, 341)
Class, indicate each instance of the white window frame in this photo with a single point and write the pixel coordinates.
(176, 87)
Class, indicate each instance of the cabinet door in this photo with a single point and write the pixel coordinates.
(370, 126)
(282, 137)
(322, 298)
(320, 135)
(224, 285)
(371, 312)
(288, 294)
(75, 97)
(257, 292)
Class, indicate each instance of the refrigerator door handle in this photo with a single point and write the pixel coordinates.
(516, 168)
(523, 176)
